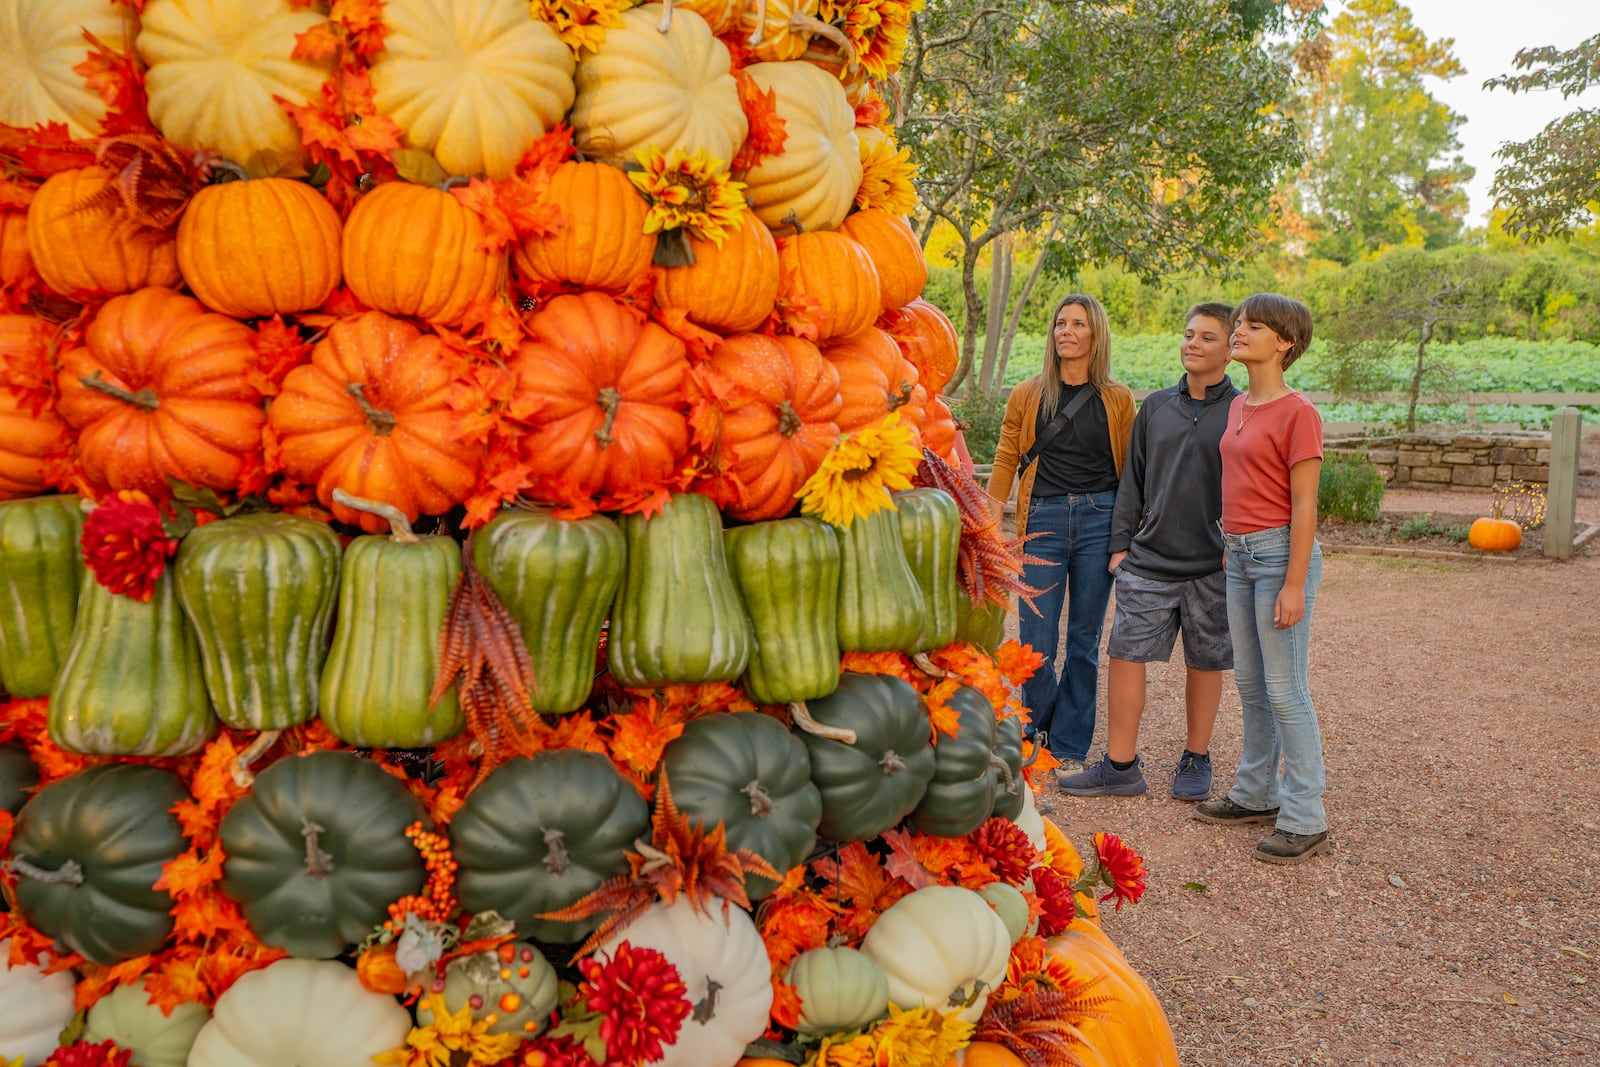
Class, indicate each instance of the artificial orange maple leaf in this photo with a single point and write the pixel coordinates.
(794, 919)
(768, 131)
(942, 718)
(861, 886)
(279, 349)
(319, 41)
(362, 22)
(116, 75)
(1017, 661)
(639, 736)
(178, 980)
(188, 874)
(479, 197)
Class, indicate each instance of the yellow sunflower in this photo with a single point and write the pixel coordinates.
(920, 1038)
(693, 193)
(581, 26)
(886, 173)
(860, 471)
(439, 1043)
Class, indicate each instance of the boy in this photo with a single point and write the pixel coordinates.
(1166, 556)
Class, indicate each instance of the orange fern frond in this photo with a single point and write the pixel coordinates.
(151, 181)
(990, 566)
(1040, 1026)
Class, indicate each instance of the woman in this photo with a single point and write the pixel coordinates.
(1063, 439)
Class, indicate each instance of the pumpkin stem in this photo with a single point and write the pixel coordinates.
(1033, 757)
(959, 997)
(144, 399)
(242, 775)
(70, 872)
(801, 23)
(789, 423)
(666, 18)
(1005, 772)
(761, 24)
(238, 172)
(802, 718)
(901, 396)
(557, 860)
(892, 763)
(399, 525)
(318, 863)
(382, 422)
(927, 666)
(706, 1009)
(610, 401)
(760, 800)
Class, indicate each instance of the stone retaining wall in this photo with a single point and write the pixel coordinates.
(1452, 461)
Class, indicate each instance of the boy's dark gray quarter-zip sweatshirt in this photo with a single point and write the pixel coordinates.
(1170, 496)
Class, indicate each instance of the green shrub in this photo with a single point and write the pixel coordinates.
(1351, 488)
(1419, 526)
(980, 415)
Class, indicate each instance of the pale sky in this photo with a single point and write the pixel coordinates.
(1488, 33)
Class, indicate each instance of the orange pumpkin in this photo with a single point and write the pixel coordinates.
(896, 254)
(16, 263)
(1494, 534)
(606, 388)
(929, 340)
(986, 1054)
(370, 415)
(730, 289)
(415, 250)
(779, 435)
(264, 247)
(1130, 1026)
(79, 252)
(602, 244)
(162, 387)
(939, 430)
(29, 442)
(837, 273)
(872, 377)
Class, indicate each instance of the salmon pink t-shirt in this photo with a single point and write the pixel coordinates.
(1257, 455)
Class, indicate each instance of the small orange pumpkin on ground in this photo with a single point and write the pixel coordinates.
(79, 252)
(837, 273)
(1494, 534)
(895, 252)
(370, 415)
(602, 244)
(729, 289)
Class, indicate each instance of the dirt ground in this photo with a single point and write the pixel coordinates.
(1456, 918)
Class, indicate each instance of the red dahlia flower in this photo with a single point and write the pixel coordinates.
(126, 545)
(642, 1001)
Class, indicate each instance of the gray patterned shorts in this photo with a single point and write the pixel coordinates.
(1150, 614)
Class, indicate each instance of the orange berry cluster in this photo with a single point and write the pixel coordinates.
(437, 902)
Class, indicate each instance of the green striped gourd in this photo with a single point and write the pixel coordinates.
(132, 683)
(930, 532)
(556, 577)
(393, 594)
(983, 625)
(880, 603)
(260, 591)
(677, 616)
(40, 571)
(788, 576)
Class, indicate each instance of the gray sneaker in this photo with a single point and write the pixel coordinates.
(1103, 780)
(1193, 780)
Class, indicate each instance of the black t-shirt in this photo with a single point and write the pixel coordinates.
(1078, 459)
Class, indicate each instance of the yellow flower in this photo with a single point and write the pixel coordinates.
(919, 1038)
(437, 1044)
(886, 173)
(876, 29)
(858, 1051)
(581, 26)
(859, 472)
(694, 193)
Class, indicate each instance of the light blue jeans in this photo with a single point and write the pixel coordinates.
(1074, 544)
(1270, 669)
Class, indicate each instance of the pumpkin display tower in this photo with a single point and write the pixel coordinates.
(486, 576)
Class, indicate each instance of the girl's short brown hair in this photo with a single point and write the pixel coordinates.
(1289, 319)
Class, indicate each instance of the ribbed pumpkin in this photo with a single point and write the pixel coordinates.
(34, 1007)
(783, 423)
(606, 387)
(939, 430)
(727, 289)
(1130, 1026)
(514, 988)
(266, 247)
(837, 273)
(720, 15)
(370, 415)
(214, 67)
(415, 250)
(779, 30)
(942, 948)
(42, 40)
(872, 378)
(474, 82)
(602, 243)
(644, 88)
(29, 441)
(895, 252)
(80, 253)
(41, 570)
(155, 1037)
(816, 176)
(928, 339)
(162, 388)
(787, 572)
(840, 989)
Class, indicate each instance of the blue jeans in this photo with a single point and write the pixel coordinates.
(1074, 542)
(1270, 669)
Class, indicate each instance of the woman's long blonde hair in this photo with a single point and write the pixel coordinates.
(1099, 353)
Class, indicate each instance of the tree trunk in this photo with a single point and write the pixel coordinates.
(1002, 259)
(975, 313)
(1416, 375)
(1015, 318)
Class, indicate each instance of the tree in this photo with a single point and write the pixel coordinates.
(1147, 132)
(1382, 155)
(1550, 183)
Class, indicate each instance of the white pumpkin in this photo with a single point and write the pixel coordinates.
(816, 177)
(1030, 822)
(840, 989)
(40, 42)
(1012, 907)
(708, 949)
(126, 1016)
(214, 68)
(942, 947)
(646, 88)
(313, 1013)
(475, 82)
(34, 1007)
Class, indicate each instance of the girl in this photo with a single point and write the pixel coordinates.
(1271, 462)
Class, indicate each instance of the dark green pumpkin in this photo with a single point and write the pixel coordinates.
(880, 603)
(930, 531)
(317, 852)
(40, 572)
(18, 776)
(1008, 782)
(677, 616)
(869, 786)
(960, 797)
(556, 577)
(393, 594)
(113, 822)
(132, 683)
(983, 625)
(788, 576)
(542, 832)
(260, 590)
(745, 771)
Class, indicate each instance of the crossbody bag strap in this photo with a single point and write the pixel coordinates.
(1057, 424)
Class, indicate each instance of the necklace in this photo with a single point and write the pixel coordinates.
(1247, 409)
